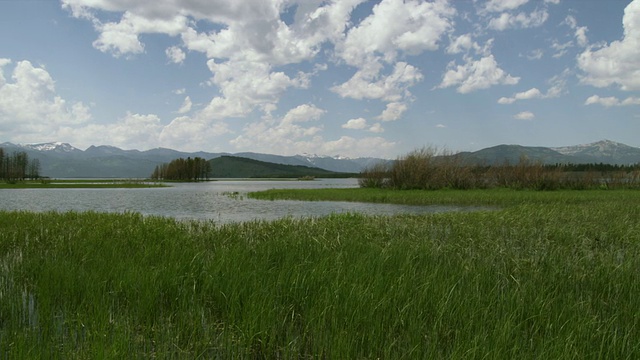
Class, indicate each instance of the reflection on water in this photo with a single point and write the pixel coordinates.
(202, 201)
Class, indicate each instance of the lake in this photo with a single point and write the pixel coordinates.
(204, 201)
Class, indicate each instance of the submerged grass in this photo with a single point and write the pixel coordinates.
(552, 275)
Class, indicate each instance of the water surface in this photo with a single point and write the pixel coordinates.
(204, 201)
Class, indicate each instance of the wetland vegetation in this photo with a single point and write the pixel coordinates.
(549, 275)
(45, 183)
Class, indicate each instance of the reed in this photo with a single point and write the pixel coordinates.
(551, 275)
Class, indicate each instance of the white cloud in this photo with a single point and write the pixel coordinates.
(506, 100)
(580, 31)
(175, 55)
(532, 93)
(132, 130)
(581, 36)
(368, 83)
(411, 27)
(355, 124)
(476, 75)
(365, 147)
(561, 49)
(394, 28)
(557, 87)
(393, 111)
(287, 132)
(535, 54)
(376, 128)
(186, 106)
(503, 5)
(244, 65)
(191, 133)
(303, 113)
(617, 63)
(462, 43)
(525, 115)
(612, 101)
(122, 37)
(30, 106)
(244, 86)
(520, 21)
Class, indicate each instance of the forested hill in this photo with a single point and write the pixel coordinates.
(238, 167)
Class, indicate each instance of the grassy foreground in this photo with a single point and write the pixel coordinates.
(552, 275)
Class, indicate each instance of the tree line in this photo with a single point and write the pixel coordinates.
(18, 167)
(428, 169)
(189, 169)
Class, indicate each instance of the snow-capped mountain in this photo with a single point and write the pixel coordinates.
(52, 146)
(605, 151)
(63, 160)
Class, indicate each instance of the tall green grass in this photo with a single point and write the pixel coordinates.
(546, 277)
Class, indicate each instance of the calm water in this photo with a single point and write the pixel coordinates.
(202, 201)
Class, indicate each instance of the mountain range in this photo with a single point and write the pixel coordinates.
(61, 160)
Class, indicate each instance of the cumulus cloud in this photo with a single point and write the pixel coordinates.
(519, 21)
(393, 28)
(290, 131)
(355, 124)
(376, 128)
(557, 86)
(186, 106)
(393, 111)
(612, 101)
(246, 85)
(397, 26)
(244, 66)
(140, 129)
(303, 113)
(175, 55)
(529, 94)
(503, 5)
(30, 105)
(249, 46)
(476, 75)
(525, 115)
(191, 133)
(535, 54)
(120, 38)
(580, 31)
(617, 63)
(364, 147)
(369, 83)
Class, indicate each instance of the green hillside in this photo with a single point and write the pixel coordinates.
(238, 167)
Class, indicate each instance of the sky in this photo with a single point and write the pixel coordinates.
(352, 78)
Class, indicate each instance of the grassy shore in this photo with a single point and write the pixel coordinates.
(550, 275)
(81, 184)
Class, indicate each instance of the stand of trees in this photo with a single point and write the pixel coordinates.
(427, 169)
(17, 167)
(188, 169)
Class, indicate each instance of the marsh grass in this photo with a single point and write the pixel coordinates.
(546, 277)
(82, 184)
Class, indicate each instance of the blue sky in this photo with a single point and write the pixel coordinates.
(346, 77)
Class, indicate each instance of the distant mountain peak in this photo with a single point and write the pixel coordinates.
(316, 156)
(51, 146)
(602, 148)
